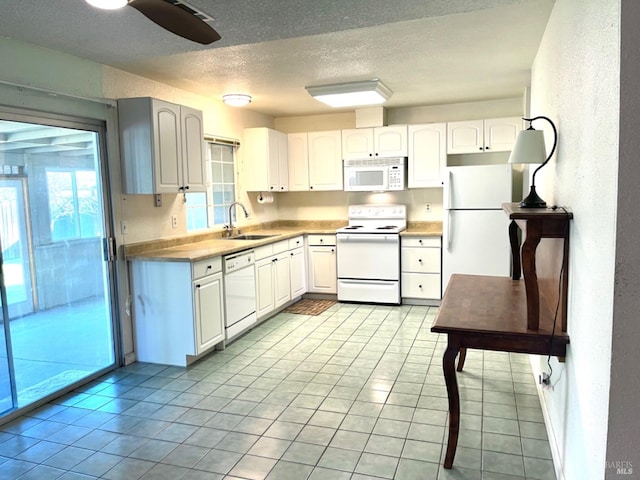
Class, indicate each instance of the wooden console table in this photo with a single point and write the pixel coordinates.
(498, 313)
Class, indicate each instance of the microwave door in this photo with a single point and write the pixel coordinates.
(365, 179)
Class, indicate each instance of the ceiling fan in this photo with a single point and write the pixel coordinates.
(172, 15)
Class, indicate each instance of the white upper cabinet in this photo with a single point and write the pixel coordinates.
(298, 148)
(265, 160)
(500, 133)
(390, 141)
(325, 160)
(359, 143)
(473, 136)
(162, 147)
(427, 155)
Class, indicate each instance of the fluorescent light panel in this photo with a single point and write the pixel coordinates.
(353, 94)
(107, 4)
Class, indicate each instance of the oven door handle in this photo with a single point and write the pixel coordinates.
(363, 237)
(367, 281)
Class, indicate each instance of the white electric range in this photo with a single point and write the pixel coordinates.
(368, 254)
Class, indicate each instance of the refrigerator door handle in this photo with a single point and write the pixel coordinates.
(449, 192)
(449, 230)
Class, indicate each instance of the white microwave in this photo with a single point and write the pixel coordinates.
(375, 174)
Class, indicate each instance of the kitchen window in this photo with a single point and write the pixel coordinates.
(208, 209)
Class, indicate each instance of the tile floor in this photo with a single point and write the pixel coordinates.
(355, 393)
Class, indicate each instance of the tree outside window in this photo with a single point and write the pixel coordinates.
(74, 206)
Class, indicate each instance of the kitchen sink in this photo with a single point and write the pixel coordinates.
(250, 237)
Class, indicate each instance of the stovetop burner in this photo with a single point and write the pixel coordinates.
(376, 219)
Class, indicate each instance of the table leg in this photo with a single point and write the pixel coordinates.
(534, 234)
(515, 250)
(449, 367)
(463, 357)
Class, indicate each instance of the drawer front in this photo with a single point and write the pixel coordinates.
(205, 267)
(420, 260)
(264, 251)
(296, 242)
(281, 246)
(321, 240)
(421, 242)
(421, 285)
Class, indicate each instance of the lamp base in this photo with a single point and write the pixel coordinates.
(533, 200)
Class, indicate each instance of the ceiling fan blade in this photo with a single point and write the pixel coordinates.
(176, 20)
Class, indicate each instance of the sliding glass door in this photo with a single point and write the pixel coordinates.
(57, 276)
(7, 381)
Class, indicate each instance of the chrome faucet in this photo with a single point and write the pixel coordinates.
(246, 215)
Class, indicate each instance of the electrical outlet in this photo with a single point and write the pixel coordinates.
(427, 208)
(174, 221)
(124, 228)
(544, 379)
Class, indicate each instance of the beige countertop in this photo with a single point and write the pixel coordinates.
(201, 246)
(420, 229)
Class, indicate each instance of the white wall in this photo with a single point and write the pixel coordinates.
(575, 82)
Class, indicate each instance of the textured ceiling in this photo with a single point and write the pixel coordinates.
(426, 52)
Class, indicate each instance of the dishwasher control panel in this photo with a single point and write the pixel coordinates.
(238, 261)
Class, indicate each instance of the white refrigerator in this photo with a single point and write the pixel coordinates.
(475, 228)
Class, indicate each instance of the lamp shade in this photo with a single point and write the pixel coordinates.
(529, 147)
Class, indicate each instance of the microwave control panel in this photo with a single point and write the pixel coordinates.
(396, 178)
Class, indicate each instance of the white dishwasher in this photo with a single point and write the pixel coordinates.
(239, 293)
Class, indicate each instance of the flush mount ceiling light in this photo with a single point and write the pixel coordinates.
(236, 99)
(107, 4)
(353, 94)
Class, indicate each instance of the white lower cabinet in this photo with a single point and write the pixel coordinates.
(322, 272)
(298, 272)
(265, 299)
(208, 314)
(273, 277)
(420, 262)
(177, 309)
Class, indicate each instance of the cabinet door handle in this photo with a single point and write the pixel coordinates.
(310, 187)
(333, 250)
(209, 267)
(419, 260)
(186, 187)
(420, 287)
(487, 148)
(480, 148)
(198, 285)
(271, 187)
(420, 241)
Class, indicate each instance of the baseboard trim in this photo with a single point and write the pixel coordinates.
(553, 444)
